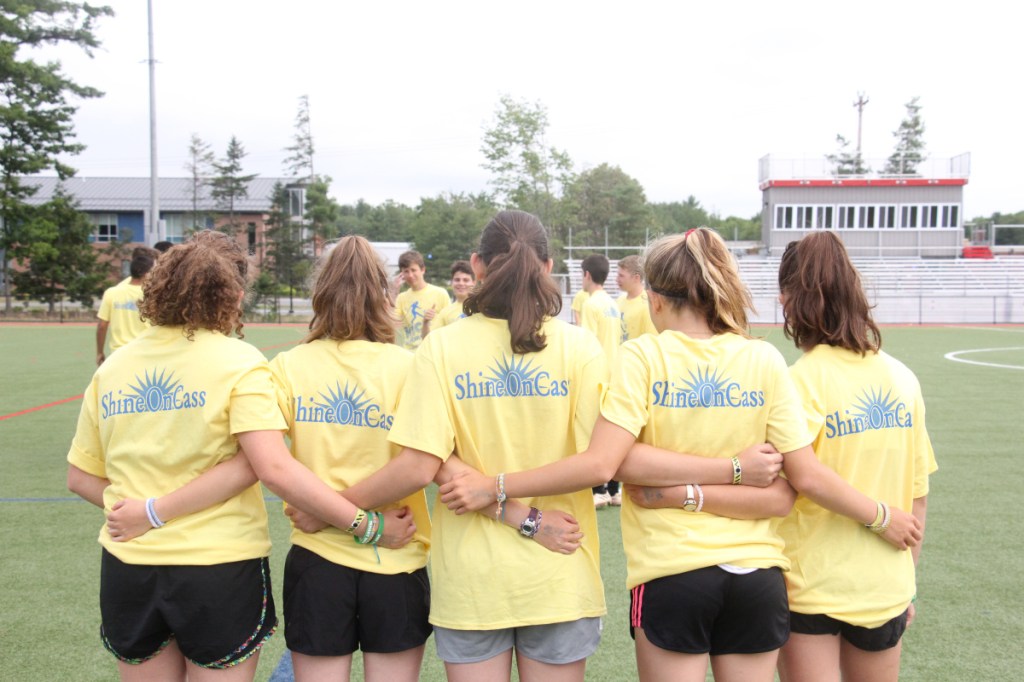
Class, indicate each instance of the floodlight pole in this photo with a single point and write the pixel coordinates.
(155, 232)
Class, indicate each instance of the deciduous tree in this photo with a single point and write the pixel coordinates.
(200, 167)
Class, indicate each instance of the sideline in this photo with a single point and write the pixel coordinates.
(79, 396)
(954, 356)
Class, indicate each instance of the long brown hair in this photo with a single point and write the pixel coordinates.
(351, 296)
(197, 285)
(696, 270)
(822, 298)
(514, 249)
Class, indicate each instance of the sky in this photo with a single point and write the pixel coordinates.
(683, 97)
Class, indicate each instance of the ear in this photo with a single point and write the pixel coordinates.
(549, 266)
(655, 300)
(477, 264)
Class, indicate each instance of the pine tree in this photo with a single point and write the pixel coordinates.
(36, 118)
(909, 152)
(846, 163)
(287, 246)
(230, 185)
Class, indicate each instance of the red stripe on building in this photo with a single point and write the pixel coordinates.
(866, 182)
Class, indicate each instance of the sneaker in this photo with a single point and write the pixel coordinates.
(601, 500)
(616, 499)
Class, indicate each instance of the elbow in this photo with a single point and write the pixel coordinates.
(782, 503)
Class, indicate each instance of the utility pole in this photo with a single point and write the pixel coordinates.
(155, 233)
(859, 106)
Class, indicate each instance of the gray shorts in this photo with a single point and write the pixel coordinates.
(554, 643)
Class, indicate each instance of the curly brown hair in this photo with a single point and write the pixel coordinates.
(198, 285)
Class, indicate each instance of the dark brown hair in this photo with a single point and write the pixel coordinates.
(411, 258)
(822, 298)
(598, 267)
(696, 270)
(197, 285)
(464, 267)
(351, 296)
(514, 249)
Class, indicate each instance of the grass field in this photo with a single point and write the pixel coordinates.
(971, 596)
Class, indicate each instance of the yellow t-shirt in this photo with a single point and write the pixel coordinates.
(120, 308)
(163, 410)
(637, 315)
(410, 306)
(339, 399)
(503, 412)
(711, 398)
(577, 303)
(450, 314)
(601, 317)
(867, 417)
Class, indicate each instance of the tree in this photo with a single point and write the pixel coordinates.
(56, 255)
(300, 162)
(446, 229)
(230, 184)
(200, 169)
(527, 174)
(846, 163)
(607, 206)
(909, 136)
(676, 217)
(322, 212)
(287, 246)
(36, 118)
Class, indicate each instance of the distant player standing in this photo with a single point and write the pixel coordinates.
(420, 302)
(462, 285)
(632, 302)
(119, 310)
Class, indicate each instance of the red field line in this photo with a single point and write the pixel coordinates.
(79, 396)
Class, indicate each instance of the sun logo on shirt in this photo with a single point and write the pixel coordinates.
(155, 391)
(515, 374)
(705, 385)
(345, 402)
(875, 409)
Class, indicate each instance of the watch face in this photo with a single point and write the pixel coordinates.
(690, 505)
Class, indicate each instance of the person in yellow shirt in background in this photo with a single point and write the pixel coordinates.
(602, 318)
(339, 390)
(462, 284)
(701, 386)
(632, 301)
(119, 309)
(577, 304)
(420, 302)
(851, 596)
(184, 583)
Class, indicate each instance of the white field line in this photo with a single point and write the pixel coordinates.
(954, 356)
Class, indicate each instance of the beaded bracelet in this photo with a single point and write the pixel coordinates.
(499, 495)
(154, 520)
(737, 471)
(700, 497)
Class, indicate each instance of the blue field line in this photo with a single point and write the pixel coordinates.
(284, 671)
(266, 498)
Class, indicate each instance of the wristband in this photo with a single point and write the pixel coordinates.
(154, 520)
(737, 471)
(700, 497)
(360, 516)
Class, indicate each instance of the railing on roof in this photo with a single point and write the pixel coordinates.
(821, 168)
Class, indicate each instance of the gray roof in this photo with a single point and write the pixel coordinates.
(132, 194)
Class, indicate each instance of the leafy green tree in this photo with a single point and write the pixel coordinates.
(230, 185)
(287, 249)
(909, 136)
(607, 206)
(845, 162)
(526, 173)
(200, 169)
(446, 228)
(55, 255)
(673, 217)
(322, 212)
(388, 222)
(36, 116)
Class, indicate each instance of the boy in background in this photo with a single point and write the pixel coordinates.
(420, 302)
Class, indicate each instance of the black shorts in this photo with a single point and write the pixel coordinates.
(219, 615)
(709, 610)
(885, 636)
(332, 610)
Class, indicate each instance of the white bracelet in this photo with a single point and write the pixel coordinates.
(700, 497)
(154, 520)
